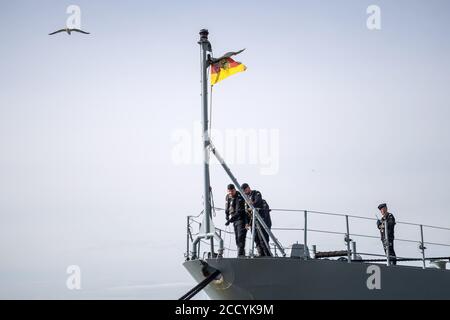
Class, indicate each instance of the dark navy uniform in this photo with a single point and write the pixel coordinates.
(390, 221)
(235, 213)
(264, 211)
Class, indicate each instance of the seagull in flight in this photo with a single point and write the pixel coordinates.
(69, 31)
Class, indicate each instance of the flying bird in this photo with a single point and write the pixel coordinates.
(69, 31)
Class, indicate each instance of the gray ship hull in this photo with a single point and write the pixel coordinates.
(294, 279)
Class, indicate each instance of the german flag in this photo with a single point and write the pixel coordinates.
(224, 68)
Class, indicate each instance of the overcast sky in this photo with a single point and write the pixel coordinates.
(89, 126)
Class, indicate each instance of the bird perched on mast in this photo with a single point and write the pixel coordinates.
(69, 31)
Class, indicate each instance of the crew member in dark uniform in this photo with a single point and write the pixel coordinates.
(235, 213)
(263, 210)
(387, 218)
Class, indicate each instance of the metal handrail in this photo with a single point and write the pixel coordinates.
(437, 244)
(324, 213)
(358, 217)
(358, 235)
(350, 216)
(421, 242)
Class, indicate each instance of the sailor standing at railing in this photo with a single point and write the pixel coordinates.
(387, 222)
(261, 205)
(235, 213)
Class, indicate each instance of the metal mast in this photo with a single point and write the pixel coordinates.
(205, 47)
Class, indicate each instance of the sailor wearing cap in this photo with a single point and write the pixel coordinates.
(235, 213)
(387, 222)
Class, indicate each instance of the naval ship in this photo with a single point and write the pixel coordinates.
(299, 271)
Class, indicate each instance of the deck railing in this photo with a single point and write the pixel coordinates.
(193, 224)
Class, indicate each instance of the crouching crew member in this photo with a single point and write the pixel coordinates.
(263, 209)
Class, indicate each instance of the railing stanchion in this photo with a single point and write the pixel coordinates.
(305, 236)
(347, 239)
(187, 238)
(253, 232)
(422, 246)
